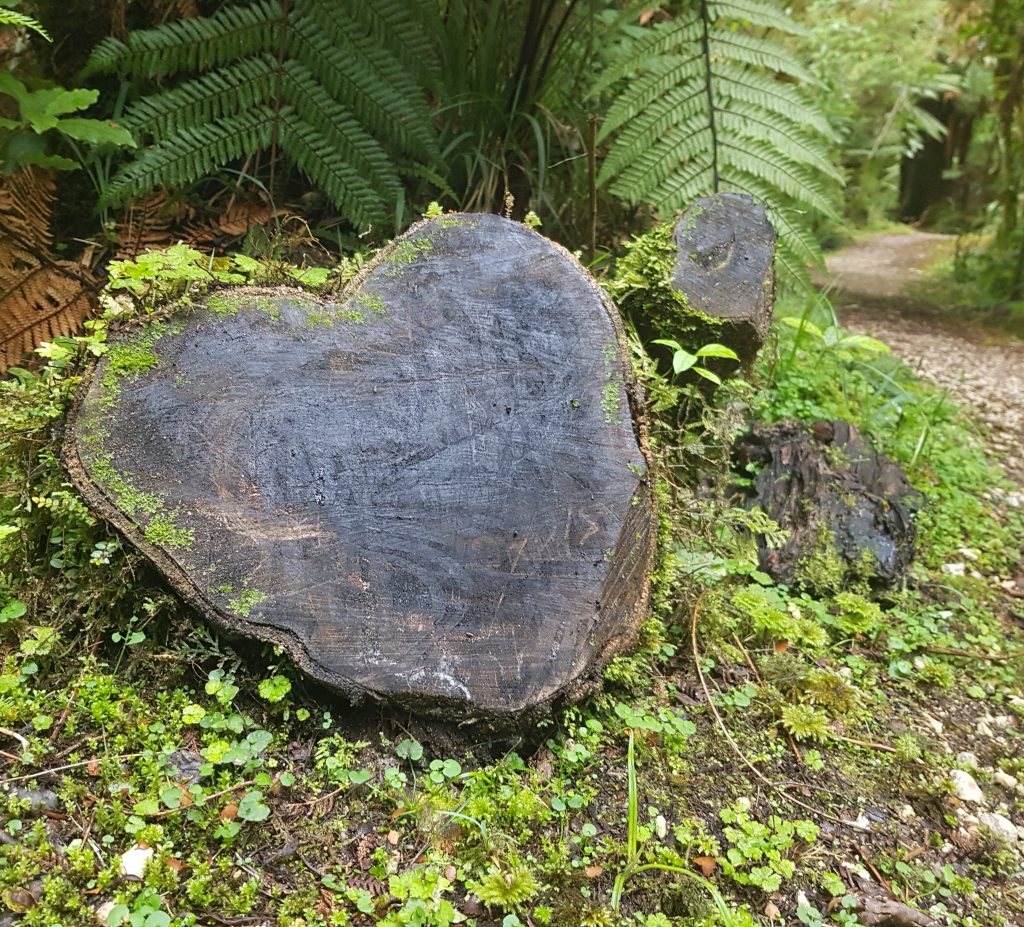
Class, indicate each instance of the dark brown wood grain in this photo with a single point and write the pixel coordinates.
(432, 490)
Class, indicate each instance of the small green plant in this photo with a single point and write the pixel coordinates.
(44, 127)
(506, 887)
(683, 360)
(633, 865)
(759, 854)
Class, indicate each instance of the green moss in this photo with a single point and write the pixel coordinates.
(162, 530)
(129, 500)
(642, 288)
(372, 302)
(246, 601)
(132, 357)
(611, 402)
(224, 303)
(405, 252)
(822, 569)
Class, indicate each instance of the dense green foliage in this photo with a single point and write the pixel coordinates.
(335, 87)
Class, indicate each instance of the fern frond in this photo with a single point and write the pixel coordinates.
(405, 28)
(704, 110)
(743, 121)
(756, 13)
(40, 303)
(690, 140)
(333, 83)
(353, 143)
(191, 154)
(377, 87)
(684, 185)
(667, 73)
(14, 18)
(26, 201)
(740, 48)
(192, 44)
(762, 160)
(652, 125)
(771, 95)
(662, 39)
(318, 158)
(224, 92)
(40, 298)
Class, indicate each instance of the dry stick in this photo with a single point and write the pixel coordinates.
(14, 735)
(867, 862)
(973, 655)
(57, 769)
(760, 682)
(205, 800)
(870, 744)
(732, 743)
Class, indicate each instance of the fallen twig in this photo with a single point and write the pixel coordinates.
(57, 769)
(729, 738)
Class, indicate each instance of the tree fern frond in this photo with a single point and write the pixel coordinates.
(747, 121)
(740, 48)
(705, 110)
(756, 13)
(224, 92)
(653, 124)
(405, 27)
(651, 167)
(318, 158)
(638, 54)
(191, 154)
(193, 44)
(771, 95)
(349, 71)
(352, 142)
(762, 160)
(666, 73)
(680, 188)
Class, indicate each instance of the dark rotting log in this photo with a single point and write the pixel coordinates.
(725, 249)
(432, 491)
(847, 509)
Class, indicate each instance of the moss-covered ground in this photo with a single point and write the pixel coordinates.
(763, 757)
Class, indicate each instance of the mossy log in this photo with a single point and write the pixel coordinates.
(431, 490)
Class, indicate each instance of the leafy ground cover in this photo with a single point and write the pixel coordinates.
(764, 756)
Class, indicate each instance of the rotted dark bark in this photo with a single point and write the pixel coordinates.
(848, 510)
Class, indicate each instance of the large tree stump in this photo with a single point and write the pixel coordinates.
(432, 491)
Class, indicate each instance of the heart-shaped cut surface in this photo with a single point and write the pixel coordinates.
(430, 491)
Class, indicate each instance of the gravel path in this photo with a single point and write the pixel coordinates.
(874, 295)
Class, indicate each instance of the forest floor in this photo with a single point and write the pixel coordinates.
(884, 289)
(768, 756)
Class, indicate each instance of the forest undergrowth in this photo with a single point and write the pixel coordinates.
(764, 756)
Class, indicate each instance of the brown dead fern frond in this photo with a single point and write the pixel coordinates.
(231, 224)
(148, 224)
(40, 298)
